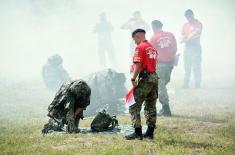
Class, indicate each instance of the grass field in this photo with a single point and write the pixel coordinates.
(203, 123)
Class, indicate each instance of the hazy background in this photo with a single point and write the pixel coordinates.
(33, 30)
(203, 119)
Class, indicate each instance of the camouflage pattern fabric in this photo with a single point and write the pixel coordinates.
(164, 73)
(71, 96)
(107, 87)
(145, 91)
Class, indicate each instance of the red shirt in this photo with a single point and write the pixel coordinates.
(192, 31)
(166, 46)
(147, 56)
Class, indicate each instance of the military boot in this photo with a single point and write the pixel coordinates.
(71, 127)
(165, 111)
(149, 133)
(136, 135)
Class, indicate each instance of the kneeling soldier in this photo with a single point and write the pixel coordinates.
(67, 107)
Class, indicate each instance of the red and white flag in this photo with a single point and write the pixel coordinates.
(130, 100)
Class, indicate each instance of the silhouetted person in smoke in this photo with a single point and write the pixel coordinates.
(191, 33)
(54, 74)
(105, 46)
(135, 22)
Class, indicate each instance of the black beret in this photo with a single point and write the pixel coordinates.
(137, 31)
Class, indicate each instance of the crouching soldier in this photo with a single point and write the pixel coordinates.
(67, 107)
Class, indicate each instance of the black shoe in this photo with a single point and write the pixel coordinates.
(136, 135)
(165, 111)
(149, 133)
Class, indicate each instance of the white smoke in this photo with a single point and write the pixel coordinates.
(33, 30)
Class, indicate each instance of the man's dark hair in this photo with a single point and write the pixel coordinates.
(157, 24)
(188, 13)
(137, 31)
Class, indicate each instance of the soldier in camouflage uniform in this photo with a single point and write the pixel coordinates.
(145, 66)
(110, 83)
(166, 46)
(54, 74)
(67, 107)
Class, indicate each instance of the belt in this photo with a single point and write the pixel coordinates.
(143, 75)
(148, 73)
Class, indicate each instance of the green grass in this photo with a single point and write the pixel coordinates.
(173, 136)
(202, 125)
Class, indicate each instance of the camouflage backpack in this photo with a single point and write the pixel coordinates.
(103, 122)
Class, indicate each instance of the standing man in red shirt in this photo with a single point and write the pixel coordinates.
(145, 59)
(165, 43)
(191, 33)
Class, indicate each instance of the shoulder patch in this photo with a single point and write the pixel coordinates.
(136, 53)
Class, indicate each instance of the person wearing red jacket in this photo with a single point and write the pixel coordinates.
(166, 46)
(191, 33)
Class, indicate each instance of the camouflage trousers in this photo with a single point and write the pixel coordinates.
(145, 93)
(164, 73)
(56, 123)
(73, 122)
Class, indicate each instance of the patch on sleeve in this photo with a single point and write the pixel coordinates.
(136, 59)
(136, 53)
